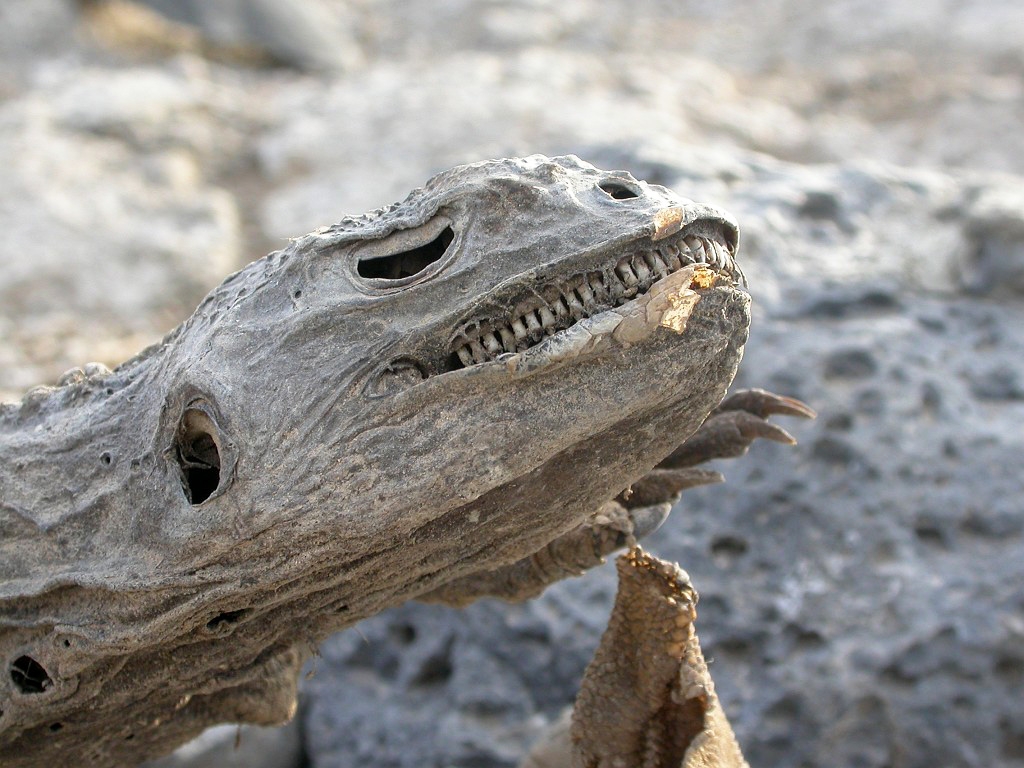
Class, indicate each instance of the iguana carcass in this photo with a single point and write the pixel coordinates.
(478, 390)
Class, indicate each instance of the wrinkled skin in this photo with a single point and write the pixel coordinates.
(308, 449)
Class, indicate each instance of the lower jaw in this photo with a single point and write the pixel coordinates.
(586, 401)
(575, 478)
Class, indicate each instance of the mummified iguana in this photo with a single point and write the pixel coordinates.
(435, 400)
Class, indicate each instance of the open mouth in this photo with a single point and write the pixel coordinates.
(559, 305)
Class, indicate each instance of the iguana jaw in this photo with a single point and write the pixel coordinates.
(535, 442)
(615, 392)
(668, 303)
(543, 313)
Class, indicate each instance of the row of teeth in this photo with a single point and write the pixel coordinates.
(586, 295)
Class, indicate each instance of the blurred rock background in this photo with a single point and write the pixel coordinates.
(862, 594)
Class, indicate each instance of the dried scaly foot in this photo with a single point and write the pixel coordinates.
(734, 425)
(647, 699)
(727, 433)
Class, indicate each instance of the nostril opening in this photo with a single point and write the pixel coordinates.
(617, 191)
(198, 456)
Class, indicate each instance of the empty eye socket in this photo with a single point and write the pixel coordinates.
(29, 675)
(405, 263)
(617, 191)
(198, 455)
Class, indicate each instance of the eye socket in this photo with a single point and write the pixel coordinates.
(617, 191)
(407, 262)
(198, 454)
(29, 675)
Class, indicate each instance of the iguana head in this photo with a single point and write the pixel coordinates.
(396, 367)
(523, 334)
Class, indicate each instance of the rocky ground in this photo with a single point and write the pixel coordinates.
(863, 593)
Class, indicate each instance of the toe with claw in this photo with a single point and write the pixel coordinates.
(727, 433)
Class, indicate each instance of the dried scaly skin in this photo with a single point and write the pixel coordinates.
(647, 699)
(640, 509)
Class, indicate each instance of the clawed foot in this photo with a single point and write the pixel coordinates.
(728, 432)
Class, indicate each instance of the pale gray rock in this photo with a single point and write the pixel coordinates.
(362, 140)
(111, 230)
(912, 83)
(311, 34)
(31, 30)
(995, 227)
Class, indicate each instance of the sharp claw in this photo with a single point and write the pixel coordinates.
(730, 429)
(752, 427)
(763, 403)
(790, 406)
(708, 477)
(693, 477)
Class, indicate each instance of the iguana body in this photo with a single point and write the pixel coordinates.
(442, 388)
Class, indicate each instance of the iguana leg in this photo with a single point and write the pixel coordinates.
(725, 434)
(612, 528)
(647, 698)
(637, 511)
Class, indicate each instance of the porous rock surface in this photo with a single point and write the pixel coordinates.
(862, 596)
